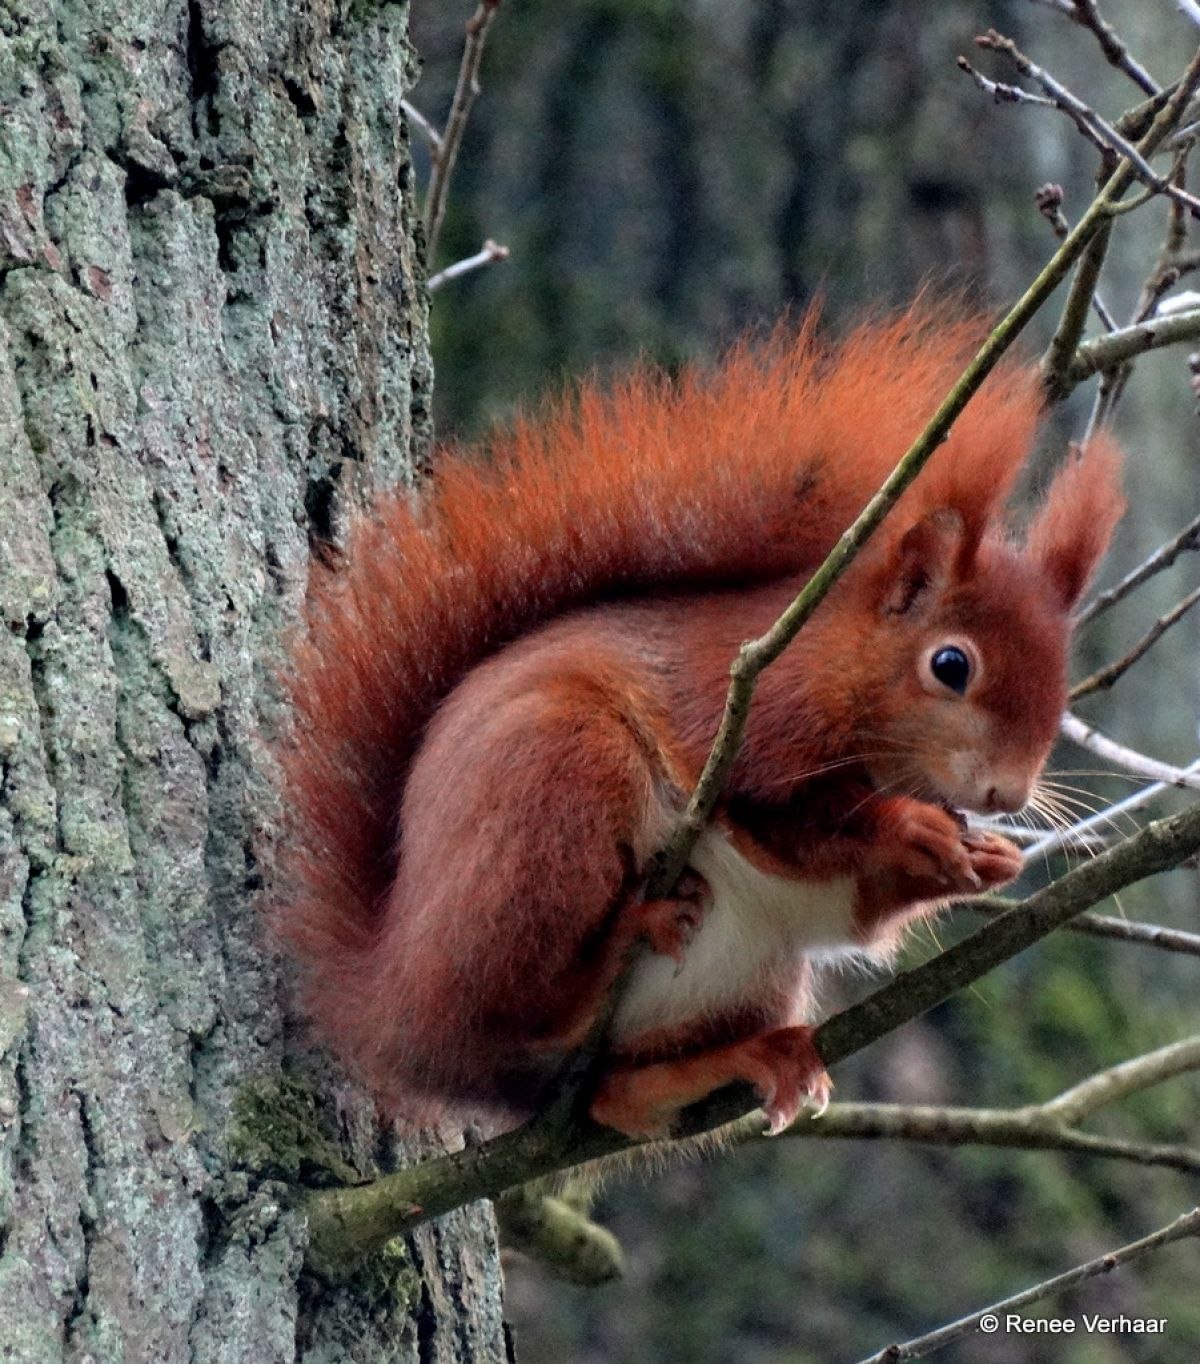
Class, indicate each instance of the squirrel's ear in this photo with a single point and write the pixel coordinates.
(924, 563)
(1068, 536)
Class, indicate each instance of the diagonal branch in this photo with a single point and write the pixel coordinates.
(1086, 13)
(1119, 1082)
(1104, 678)
(1096, 129)
(488, 254)
(1160, 846)
(1163, 557)
(758, 654)
(1103, 926)
(918, 1348)
(1089, 737)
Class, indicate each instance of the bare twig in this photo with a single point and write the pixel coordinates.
(465, 92)
(1096, 129)
(1185, 138)
(1086, 14)
(1001, 92)
(1166, 272)
(1015, 1129)
(1051, 1125)
(1162, 558)
(1190, 9)
(1103, 926)
(1049, 200)
(1116, 348)
(918, 1348)
(488, 254)
(1064, 344)
(1076, 835)
(1089, 737)
(1063, 347)
(1142, 935)
(1104, 677)
(1119, 1082)
(424, 127)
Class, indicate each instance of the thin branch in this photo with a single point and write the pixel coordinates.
(991, 1317)
(1185, 137)
(1087, 14)
(1164, 276)
(1190, 9)
(1161, 845)
(1000, 91)
(1096, 129)
(465, 92)
(489, 254)
(1075, 835)
(1009, 1129)
(424, 127)
(1166, 272)
(1064, 343)
(1089, 737)
(1116, 348)
(1049, 200)
(1162, 558)
(1050, 1126)
(1102, 926)
(1119, 1082)
(1104, 678)
(1029, 836)
(1143, 935)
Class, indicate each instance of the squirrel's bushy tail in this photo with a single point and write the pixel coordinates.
(746, 472)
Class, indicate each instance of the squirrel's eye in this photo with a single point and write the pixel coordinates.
(952, 668)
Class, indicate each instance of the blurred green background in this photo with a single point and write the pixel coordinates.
(666, 174)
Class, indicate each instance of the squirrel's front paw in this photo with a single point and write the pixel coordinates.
(934, 848)
(669, 925)
(930, 845)
(994, 859)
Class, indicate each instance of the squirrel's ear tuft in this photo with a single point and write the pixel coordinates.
(1071, 530)
(924, 563)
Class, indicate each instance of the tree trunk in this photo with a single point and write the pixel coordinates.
(212, 330)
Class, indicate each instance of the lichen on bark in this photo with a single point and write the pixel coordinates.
(213, 336)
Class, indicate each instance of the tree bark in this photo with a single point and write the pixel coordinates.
(212, 332)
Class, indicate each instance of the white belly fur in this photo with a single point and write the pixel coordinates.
(755, 934)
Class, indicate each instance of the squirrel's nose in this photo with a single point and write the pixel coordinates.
(1006, 798)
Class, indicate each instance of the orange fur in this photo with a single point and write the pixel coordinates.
(508, 684)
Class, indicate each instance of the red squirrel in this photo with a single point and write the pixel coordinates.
(510, 683)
